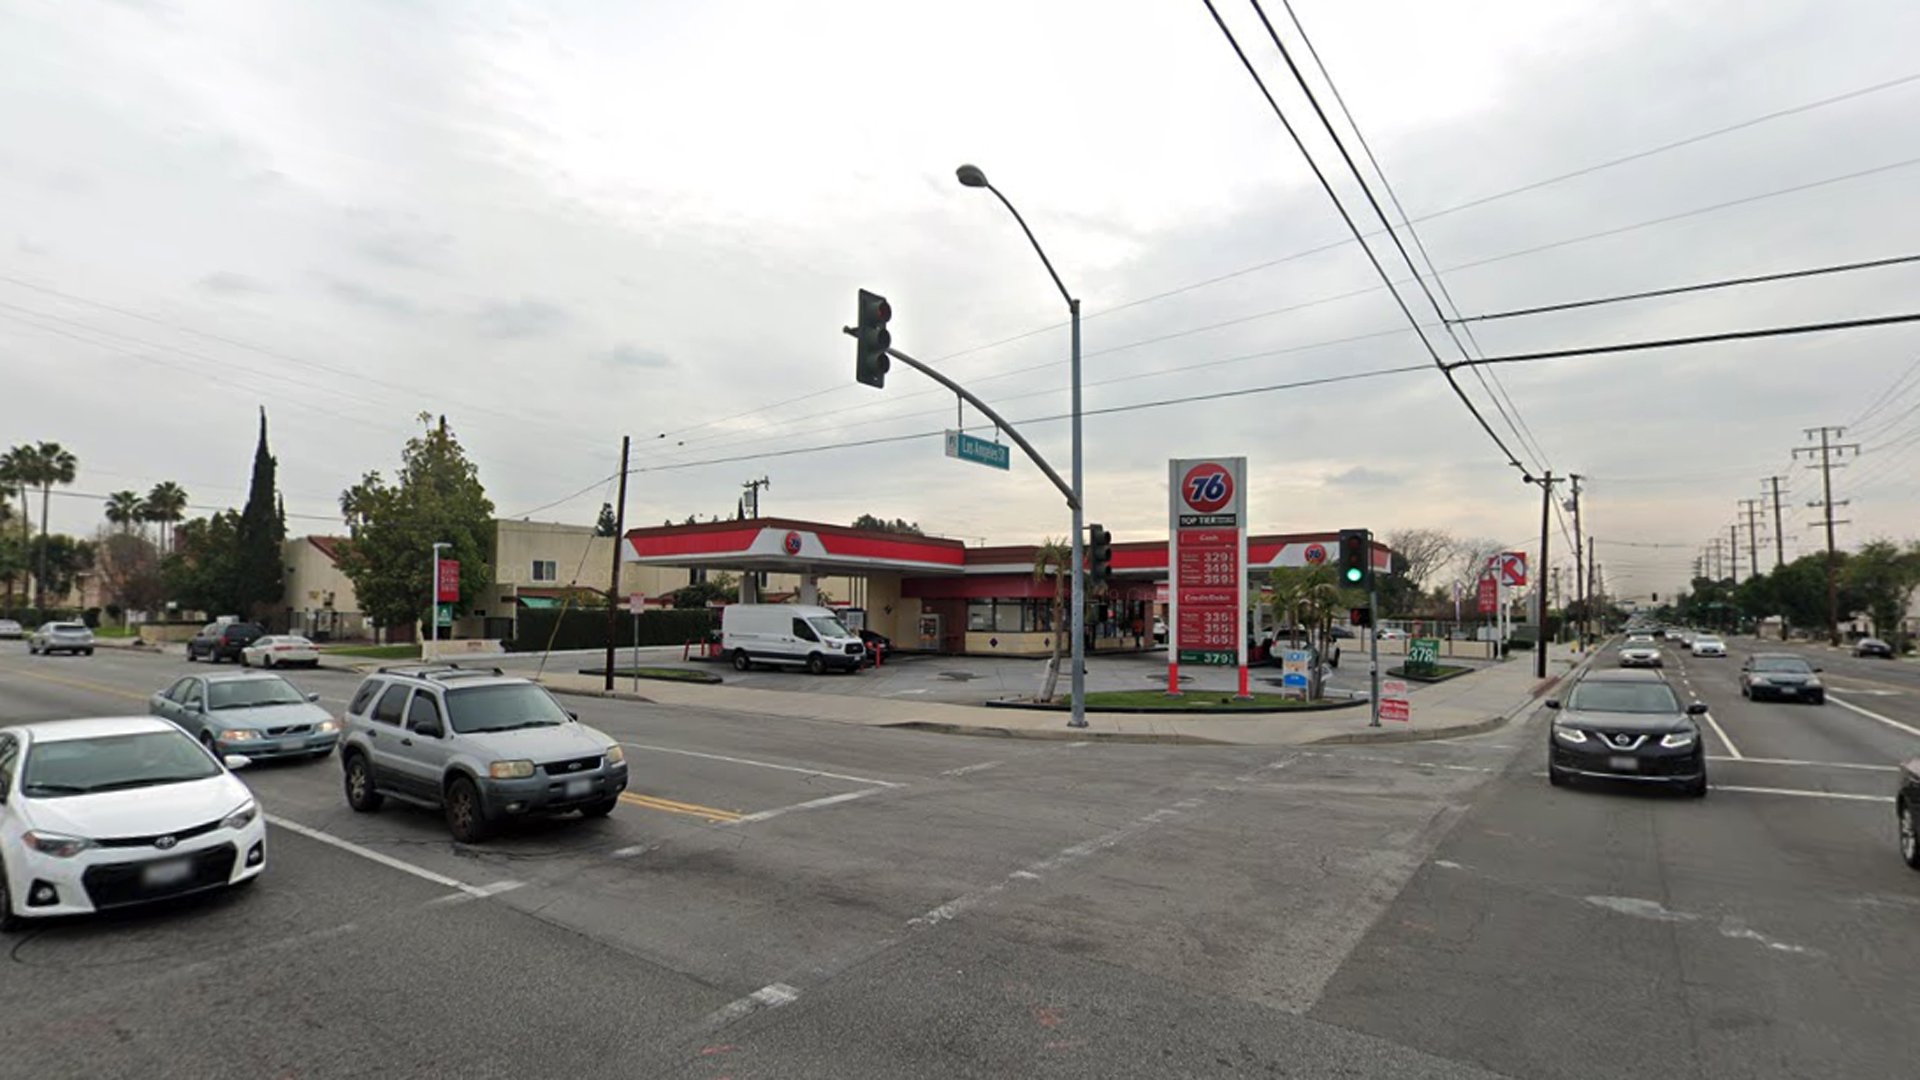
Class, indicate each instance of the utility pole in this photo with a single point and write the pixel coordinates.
(1540, 587)
(619, 538)
(1829, 451)
(1593, 559)
(1751, 512)
(1714, 556)
(1779, 535)
(1733, 549)
(1579, 563)
(753, 493)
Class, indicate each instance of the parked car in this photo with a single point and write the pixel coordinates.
(1390, 633)
(66, 637)
(1627, 725)
(280, 650)
(98, 814)
(1782, 676)
(879, 646)
(1906, 807)
(788, 634)
(11, 631)
(481, 746)
(1708, 645)
(1868, 646)
(261, 716)
(222, 641)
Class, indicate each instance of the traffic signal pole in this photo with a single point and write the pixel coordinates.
(1373, 640)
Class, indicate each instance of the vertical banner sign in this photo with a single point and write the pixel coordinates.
(1207, 560)
(1489, 595)
(448, 588)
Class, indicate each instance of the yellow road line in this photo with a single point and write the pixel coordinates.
(690, 809)
(77, 684)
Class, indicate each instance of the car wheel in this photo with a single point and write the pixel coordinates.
(601, 808)
(89, 652)
(9, 922)
(466, 819)
(1909, 836)
(190, 656)
(361, 795)
(816, 664)
(244, 662)
(1697, 787)
(1555, 776)
(1819, 699)
(741, 661)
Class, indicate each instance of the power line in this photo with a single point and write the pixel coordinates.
(1890, 394)
(1696, 287)
(1699, 339)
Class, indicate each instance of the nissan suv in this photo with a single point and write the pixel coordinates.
(1625, 724)
(482, 747)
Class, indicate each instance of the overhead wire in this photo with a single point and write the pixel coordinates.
(1703, 286)
(1696, 339)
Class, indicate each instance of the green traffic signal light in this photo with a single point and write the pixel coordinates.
(1354, 574)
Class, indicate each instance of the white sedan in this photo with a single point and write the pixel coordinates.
(101, 814)
(1708, 645)
(280, 650)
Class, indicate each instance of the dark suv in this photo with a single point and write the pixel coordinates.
(1627, 724)
(222, 641)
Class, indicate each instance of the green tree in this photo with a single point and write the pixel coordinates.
(879, 524)
(199, 572)
(41, 465)
(60, 559)
(166, 506)
(124, 509)
(259, 565)
(1052, 559)
(392, 527)
(607, 525)
(13, 562)
(1881, 577)
(700, 594)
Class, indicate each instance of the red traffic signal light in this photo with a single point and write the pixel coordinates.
(871, 340)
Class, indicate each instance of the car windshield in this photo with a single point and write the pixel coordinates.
(1706, 639)
(827, 627)
(113, 763)
(67, 627)
(1790, 664)
(252, 693)
(1624, 697)
(504, 707)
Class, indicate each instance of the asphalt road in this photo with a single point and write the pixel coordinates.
(790, 898)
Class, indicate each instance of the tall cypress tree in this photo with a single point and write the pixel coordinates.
(260, 574)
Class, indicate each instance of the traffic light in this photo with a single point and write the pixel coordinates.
(1360, 616)
(872, 339)
(1099, 556)
(1356, 563)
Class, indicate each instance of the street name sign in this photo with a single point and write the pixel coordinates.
(980, 451)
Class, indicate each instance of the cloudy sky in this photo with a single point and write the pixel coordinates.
(558, 223)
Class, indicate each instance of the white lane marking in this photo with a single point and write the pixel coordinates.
(421, 872)
(1729, 926)
(814, 804)
(1718, 730)
(1072, 745)
(629, 852)
(1871, 715)
(763, 764)
(1803, 794)
(981, 767)
(770, 996)
(1813, 764)
(921, 690)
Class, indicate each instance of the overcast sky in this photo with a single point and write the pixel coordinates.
(561, 223)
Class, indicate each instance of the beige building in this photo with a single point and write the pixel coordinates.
(319, 600)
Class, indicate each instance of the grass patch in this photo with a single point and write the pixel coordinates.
(1439, 673)
(1192, 701)
(664, 674)
(374, 652)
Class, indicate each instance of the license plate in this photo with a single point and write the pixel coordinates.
(578, 788)
(1620, 763)
(166, 873)
(1789, 691)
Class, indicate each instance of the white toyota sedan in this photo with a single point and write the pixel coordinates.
(280, 650)
(100, 814)
(1708, 645)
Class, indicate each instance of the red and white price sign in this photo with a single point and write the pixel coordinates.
(1208, 537)
(1393, 701)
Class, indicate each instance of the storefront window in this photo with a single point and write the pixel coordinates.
(980, 615)
(1008, 616)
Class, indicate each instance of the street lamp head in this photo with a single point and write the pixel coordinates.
(971, 176)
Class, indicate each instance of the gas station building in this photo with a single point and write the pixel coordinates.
(939, 595)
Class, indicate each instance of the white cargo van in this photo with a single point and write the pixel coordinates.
(788, 634)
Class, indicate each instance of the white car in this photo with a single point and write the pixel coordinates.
(98, 814)
(280, 650)
(1708, 645)
(67, 637)
(1639, 654)
(10, 630)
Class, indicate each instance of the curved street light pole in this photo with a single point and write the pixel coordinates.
(971, 176)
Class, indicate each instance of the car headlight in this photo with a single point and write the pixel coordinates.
(1761, 680)
(55, 844)
(616, 755)
(238, 735)
(1813, 684)
(510, 770)
(242, 817)
(1677, 740)
(1567, 734)
(326, 727)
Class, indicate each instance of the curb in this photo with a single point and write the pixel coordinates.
(1150, 710)
(1478, 727)
(605, 695)
(705, 678)
(1068, 735)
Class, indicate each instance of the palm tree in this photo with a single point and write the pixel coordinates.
(167, 506)
(125, 509)
(47, 464)
(13, 479)
(1054, 558)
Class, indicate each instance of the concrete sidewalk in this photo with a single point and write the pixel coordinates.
(1472, 703)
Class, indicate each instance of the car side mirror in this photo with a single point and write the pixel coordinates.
(1817, 667)
(1553, 703)
(573, 714)
(429, 729)
(1698, 708)
(313, 697)
(236, 761)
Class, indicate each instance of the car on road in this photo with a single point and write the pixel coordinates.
(280, 650)
(1390, 633)
(1868, 646)
(11, 631)
(259, 715)
(1906, 806)
(99, 814)
(1707, 645)
(1684, 638)
(222, 641)
(1639, 654)
(1627, 725)
(66, 637)
(481, 746)
(1781, 676)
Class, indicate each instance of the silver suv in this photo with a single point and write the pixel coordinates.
(484, 746)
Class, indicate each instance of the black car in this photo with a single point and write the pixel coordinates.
(1781, 676)
(1868, 646)
(1626, 724)
(1906, 806)
(222, 641)
(878, 646)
